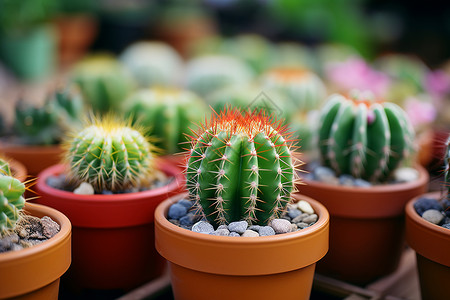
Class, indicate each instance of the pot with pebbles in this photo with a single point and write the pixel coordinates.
(109, 186)
(232, 230)
(363, 142)
(428, 233)
(34, 245)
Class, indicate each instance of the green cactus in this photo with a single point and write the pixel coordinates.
(109, 155)
(240, 167)
(168, 114)
(363, 137)
(46, 124)
(103, 81)
(4, 167)
(11, 201)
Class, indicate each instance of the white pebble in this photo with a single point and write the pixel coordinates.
(433, 216)
(281, 226)
(305, 207)
(250, 233)
(84, 189)
(406, 174)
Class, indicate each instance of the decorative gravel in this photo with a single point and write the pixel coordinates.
(434, 211)
(298, 216)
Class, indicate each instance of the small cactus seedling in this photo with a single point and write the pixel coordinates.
(241, 168)
(167, 113)
(11, 201)
(109, 155)
(363, 137)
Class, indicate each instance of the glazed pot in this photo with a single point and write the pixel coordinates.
(113, 235)
(367, 227)
(34, 273)
(220, 267)
(35, 158)
(432, 245)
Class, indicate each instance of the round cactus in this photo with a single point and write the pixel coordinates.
(241, 168)
(104, 82)
(364, 137)
(11, 201)
(4, 167)
(168, 114)
(109, 155)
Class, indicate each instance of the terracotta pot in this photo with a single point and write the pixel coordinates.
(432, 245)
(113, 235)
(34, 273)
(35, 158)
(367, 227)
(219, 267)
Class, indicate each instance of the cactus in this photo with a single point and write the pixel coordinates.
(46, 124)
(4, 167)
(103, 81)
(168, 114)
(364, 137)
(110, 155)
(11, 201)
(241, 167)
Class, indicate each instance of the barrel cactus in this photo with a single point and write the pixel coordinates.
(47, 124)
(103, 81)
(11, 201)
(364, 137)
(241, 168)
(169, 115)
(109, 155)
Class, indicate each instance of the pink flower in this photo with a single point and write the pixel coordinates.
(437, 83)
(420, 112)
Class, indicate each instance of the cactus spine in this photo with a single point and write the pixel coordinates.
(109, 155)
(362, 137)
(447, 168)
(11, 201)
(4, 167)
(240, 167)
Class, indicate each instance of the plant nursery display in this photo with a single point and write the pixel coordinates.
(363, 142)
(428, 233)
(32, 237)
(240, 176)
(108, 186)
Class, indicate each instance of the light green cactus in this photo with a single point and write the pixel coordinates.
(11, 201)
(109, 155)
(168, 114)
(4, 167)
(241, 168)
(363, 137)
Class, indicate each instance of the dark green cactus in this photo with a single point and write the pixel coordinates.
(363, 137)
(240, 168)
(46, 124)
(168, 114)
(109, 155)
(11, 201)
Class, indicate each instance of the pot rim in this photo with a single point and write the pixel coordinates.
(19, 148)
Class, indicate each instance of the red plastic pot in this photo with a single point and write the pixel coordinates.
(113, 235)
(366, 227)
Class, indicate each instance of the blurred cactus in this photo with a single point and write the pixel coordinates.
(168, 114)
(241, 167)
(293, 55)
(364, 137)
(4, 167)
(46, 125)
(103, 81)
(109, 155)
(11, 201)
(153, 64)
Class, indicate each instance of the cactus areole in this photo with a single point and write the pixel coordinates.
(240, 168)
(364, 137)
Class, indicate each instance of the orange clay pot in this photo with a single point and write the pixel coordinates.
(113, 235)
(367, 227)
(219, 267)
(432, 245)
(33, 273)
(35, 158)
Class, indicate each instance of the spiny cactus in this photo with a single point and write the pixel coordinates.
(11, 201)
(46, 124)
(364, 137)
(4, 167)
(167, 113)
(109, 155)
(241, 167)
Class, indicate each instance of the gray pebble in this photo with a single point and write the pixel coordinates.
(57, 182)
(362, 183)
(176, 211)
(239, 226)
(434, 216)
(254, 227)
(300, 218)
(221, 232)
(302, 225)
(293, 213)
(323, 174)
(346, 180)
(234, 234)
(280, 226)
(250, 233)
(202, 227)
(188, 219)
(310, 219)
(186, 203)
(222, 227)
(447, 225)
(266, 231)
